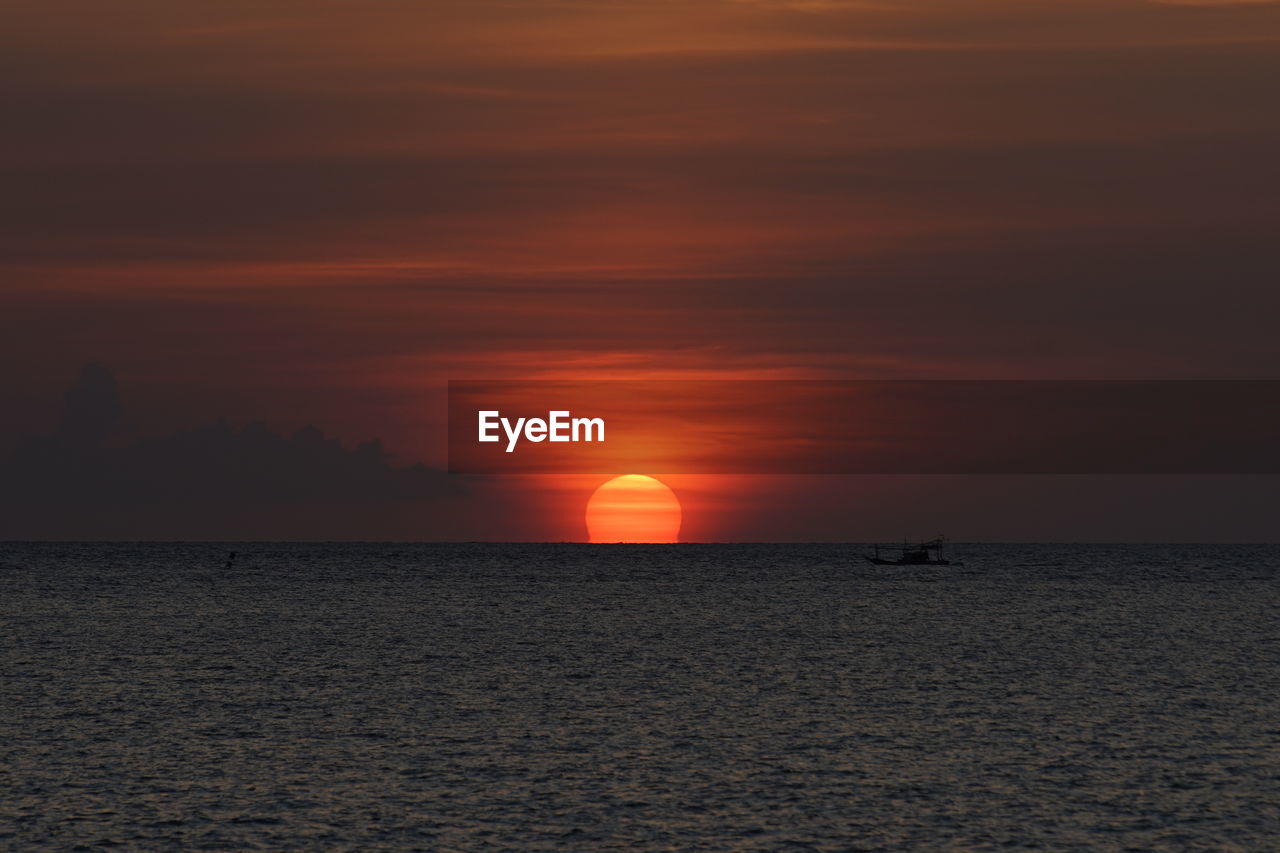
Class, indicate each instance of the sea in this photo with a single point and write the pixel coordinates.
(478, 697)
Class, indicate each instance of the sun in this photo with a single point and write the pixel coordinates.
(633, 508)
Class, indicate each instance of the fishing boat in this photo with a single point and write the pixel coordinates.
(923, 554)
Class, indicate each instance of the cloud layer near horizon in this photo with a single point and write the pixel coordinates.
(203, 482)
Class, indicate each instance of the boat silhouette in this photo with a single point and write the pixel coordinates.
(921, 554)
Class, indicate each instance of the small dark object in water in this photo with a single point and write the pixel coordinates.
(924, 554)
(231, 558)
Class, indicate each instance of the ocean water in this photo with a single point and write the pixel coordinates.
(694, 697)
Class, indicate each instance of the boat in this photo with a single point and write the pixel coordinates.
(922, 554)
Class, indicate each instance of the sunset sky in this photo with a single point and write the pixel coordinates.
(319, 212)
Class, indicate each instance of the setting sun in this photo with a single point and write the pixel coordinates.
(633, 508)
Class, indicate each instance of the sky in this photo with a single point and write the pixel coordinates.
(316, 214)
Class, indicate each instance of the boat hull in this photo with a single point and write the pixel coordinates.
(880, 561)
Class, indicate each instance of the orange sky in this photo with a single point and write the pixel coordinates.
(319, 212)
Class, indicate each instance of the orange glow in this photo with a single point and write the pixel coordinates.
(633, 508)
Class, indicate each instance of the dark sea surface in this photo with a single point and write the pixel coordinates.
(692, 697)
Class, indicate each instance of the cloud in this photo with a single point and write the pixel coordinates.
(212, 472)
(1215, 3)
